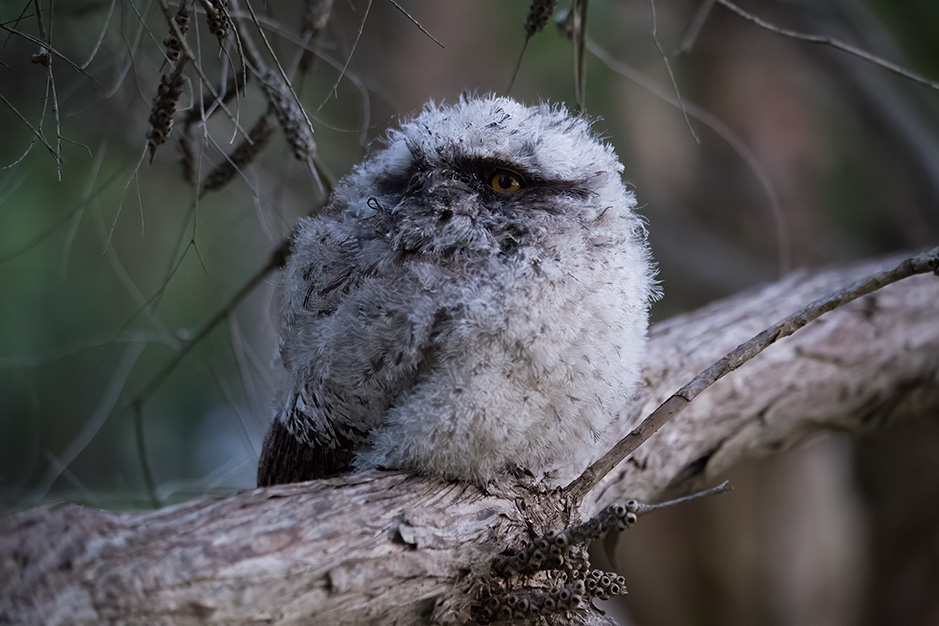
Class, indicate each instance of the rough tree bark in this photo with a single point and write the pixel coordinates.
(386, 548)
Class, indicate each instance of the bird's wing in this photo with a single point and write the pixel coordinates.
(353, 341)
(286, 459)
(301, 443)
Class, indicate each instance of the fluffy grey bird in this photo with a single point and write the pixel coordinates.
(474, 300)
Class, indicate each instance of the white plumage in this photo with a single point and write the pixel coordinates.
(437, 324)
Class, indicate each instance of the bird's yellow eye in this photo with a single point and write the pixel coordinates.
(505, 181)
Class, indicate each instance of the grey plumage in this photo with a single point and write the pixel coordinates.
(436, 324)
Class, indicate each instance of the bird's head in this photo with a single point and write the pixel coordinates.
(485, 176)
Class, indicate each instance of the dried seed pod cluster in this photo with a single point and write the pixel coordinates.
(42, 58)
(555, 550)
(217, 18)
(163, 110)
(283, 105)
(539, 13)
(291, 118)
(528, 604)
(603, 585)
(187, 159)
(243, 154)
(174, 47)
(552, 550)
(614, 517)
(565, 553)
(548, 551)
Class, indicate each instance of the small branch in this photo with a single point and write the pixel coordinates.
(694, 28)
(579, 13)
(144, 457)
(552, 550)
(539, 14)
(188, 52)
(736, 143)
(641, 509)
(920, 264)
(416, 23)
(333, 90)
(277, 259)
(51, 49)
(37, 133)
(101, 35)
(316, 15)
(671, 75)
(93, 424)
(834, 43)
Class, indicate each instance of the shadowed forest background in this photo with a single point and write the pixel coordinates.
(110, 264)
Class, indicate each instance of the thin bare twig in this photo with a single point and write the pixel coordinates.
(920, 264)
(24, 14)
(338, 65)
(22, 361)
(121, 74)
(539, 14)
(199, 114)
(671, 75)
(316, 15)
(243, 154)
(333, 90)
(518, 65)
(277, 259)
(50, 49)
(65, 217)
(37, 133)
(142, 452)
(95, 421)
(42, 28)
(643, 509)
(104, 30)
(120, 207)
(19, 159)
(725, 132)
(146, 306)
(579, 13)
(50, 86)
(694, 28)
(832, 42)
(416, 23)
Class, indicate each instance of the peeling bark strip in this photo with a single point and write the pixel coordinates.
(383, 548)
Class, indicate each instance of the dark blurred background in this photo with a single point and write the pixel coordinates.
(805, 156)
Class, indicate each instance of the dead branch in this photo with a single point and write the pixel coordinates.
(837, 44)
(383, 548)
(927, 262)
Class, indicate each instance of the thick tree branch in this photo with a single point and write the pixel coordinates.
(383, 548)
(920, 264)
